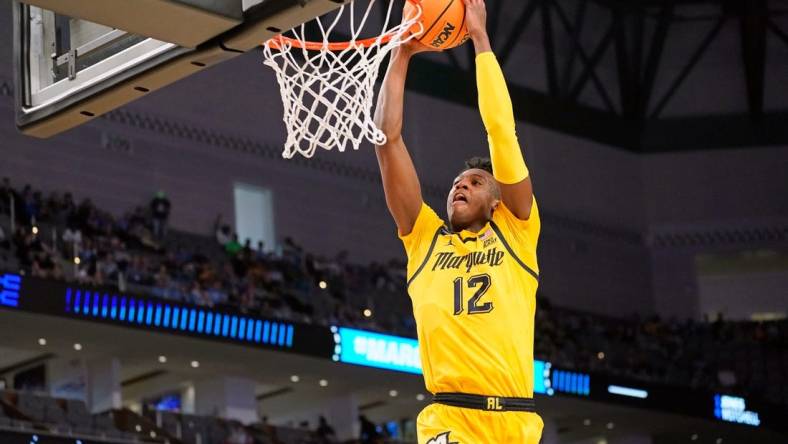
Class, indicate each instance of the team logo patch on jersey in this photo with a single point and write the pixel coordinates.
(488, 238)
(443, 438)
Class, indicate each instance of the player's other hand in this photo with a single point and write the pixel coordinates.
(476, 17)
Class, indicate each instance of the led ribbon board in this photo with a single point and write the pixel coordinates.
(734, 409)
(376, 350)
(139, 311)
(574, 383)
(542, 384)
(396, 353)
(10, 284)
(621, 390)
(149, 313)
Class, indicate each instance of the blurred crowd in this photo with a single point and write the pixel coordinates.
(56, 237)
(745, 358)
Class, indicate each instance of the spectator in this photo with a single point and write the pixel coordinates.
(6, 196)
(238, 435)
(36, 270)
(160, 213)
(369, 432)
(260, 254)
(4, 242)
(122, 260)
(325, 433)
(233, 247)
(30, 206)
(222, 231)
(72, 238)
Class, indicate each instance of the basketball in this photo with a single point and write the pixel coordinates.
(442, 25)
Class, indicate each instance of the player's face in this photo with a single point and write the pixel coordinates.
(472, 199)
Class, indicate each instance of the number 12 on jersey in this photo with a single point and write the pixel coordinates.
(480, 282)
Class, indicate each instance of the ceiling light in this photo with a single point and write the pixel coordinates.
(77, 346)
(42, 341)
(600, 355)
(195, 364)
(323, 383)
(152, 434)
(322, 284)
(393, 393)
(610, 426)
(367, 313)
(138, 428)
(162, 359)
(420, 397)
(76, 260)
(694, 437)
(294, 378)
(586, 422)
(719, 440)
(35, 229)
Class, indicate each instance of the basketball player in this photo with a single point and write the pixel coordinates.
(472, 281)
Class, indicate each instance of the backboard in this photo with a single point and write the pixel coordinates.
(77, 59)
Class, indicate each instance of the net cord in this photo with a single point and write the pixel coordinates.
(328, 93)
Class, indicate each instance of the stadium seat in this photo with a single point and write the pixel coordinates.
(77, 414)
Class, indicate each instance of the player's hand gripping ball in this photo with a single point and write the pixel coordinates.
(442, 25)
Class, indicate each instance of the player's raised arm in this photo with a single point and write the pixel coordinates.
(495, 106)
(400, 182)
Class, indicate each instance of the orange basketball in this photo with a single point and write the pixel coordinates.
(442, 23)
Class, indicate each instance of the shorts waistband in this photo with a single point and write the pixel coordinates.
(485, 402)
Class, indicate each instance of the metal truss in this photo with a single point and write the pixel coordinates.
(627, 112)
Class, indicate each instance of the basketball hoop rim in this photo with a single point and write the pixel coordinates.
(280, 41)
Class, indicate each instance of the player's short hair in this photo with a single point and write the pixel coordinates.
(482, 163)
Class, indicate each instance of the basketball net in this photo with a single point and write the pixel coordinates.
(328, 89)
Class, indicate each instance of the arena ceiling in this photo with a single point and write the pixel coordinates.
(642, 75)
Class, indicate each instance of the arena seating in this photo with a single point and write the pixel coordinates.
(748, 358)
(36, 413)
(39, 413)
(22, 410)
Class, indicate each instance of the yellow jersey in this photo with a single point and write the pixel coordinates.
(474, 300)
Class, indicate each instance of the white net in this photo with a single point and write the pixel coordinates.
(328, 88)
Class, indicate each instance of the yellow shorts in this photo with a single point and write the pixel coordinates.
(443, 424)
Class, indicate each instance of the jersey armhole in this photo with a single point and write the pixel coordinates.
(426, 223)
(426, 256)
